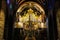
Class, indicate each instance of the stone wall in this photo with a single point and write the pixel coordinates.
(58, 22)
(2, 17)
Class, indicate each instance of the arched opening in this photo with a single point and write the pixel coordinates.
(32, 21)
(30, 7)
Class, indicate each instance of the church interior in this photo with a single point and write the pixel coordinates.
(29, 20)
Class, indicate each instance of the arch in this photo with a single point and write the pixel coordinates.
(30, 16)
(30, 4)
